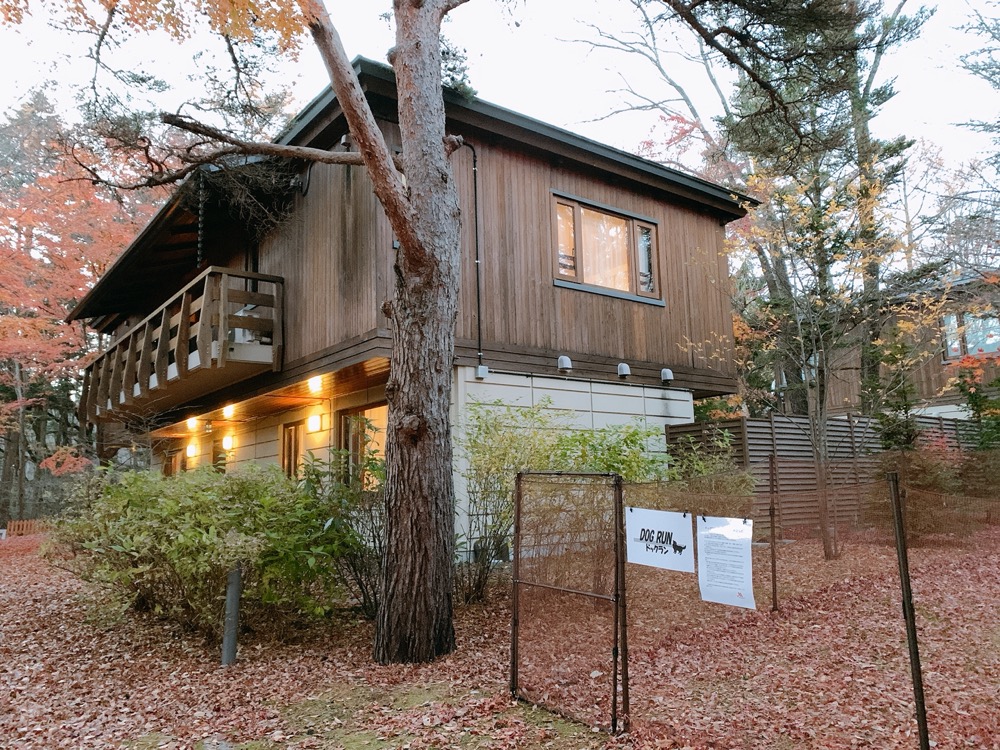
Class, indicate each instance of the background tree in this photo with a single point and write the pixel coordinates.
(58, 232)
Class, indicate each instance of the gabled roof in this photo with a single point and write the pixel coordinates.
(161, 255)
(379, 80)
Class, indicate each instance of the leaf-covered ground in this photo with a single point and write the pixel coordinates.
(829, 670)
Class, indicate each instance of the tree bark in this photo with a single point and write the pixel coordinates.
(414, 622)
(415, 616)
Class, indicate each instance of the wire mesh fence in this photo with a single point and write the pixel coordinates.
(567, 584)
(929, 514)
(579, 650)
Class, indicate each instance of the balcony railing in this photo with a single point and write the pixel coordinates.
(223, 327)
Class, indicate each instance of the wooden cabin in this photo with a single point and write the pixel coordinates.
(590, 277)
(954, 321)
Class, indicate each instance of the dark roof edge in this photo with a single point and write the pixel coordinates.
(364, 67)
(161, 217)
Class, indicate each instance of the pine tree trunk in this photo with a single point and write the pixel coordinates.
(415, 615)
(414, 622)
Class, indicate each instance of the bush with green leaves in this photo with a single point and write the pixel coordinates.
(496, 441)
(709, 468)
(350, 488)
(617, 449)
(167, 544)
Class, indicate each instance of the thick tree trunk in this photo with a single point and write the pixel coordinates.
(415, 617)
(414, 622)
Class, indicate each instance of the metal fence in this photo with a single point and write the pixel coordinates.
(567, 639)
(573, 626)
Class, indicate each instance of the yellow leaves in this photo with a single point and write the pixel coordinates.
(273, 21)
(12, 11)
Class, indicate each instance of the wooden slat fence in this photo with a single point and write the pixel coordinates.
(27, 527)
(852, 460)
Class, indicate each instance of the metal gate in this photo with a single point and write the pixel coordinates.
(569, 645)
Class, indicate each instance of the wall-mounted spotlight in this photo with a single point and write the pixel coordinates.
(192, 450)
(228, 411)
(314, 422)
(624, 370)
(315, 384)
(192, 423)
(666, 375)
(564, 364)
(227, 442)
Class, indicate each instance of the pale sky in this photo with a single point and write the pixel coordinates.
(519, 59)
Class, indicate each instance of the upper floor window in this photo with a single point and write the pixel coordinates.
(605, 249)
(966, 333)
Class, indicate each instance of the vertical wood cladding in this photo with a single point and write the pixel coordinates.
(335, 255)
(334, 259)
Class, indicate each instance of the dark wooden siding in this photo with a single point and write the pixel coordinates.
(335, 255)
(521, 306)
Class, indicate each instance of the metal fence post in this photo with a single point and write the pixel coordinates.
(908, 612)
(515, 587)
(773, 479)
(234, 588)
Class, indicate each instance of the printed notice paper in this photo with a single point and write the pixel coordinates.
(659, 538)
(725, 570)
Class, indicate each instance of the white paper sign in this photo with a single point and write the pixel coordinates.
(659, 538)
(725, 566)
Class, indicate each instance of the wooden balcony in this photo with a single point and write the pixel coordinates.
(223, 327)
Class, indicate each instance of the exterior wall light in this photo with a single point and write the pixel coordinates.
(481, 372)
(314, 422)
(624, 370)
(192, 424)
(666, 375)
(192, 450)
(228, 411)
(564, 364)
(227, 442)
(315, 383)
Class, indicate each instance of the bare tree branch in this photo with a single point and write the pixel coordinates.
(260, 148)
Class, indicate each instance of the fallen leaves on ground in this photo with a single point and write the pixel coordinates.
(830, 670)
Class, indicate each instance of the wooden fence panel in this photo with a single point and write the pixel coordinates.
(852, 460)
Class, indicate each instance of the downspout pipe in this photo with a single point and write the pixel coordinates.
(475, 213)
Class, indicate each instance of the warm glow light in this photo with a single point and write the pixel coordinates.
(315, 384)
(192, 450)
(192, 423)
(228, 411)
(314, 423)
(227, 443)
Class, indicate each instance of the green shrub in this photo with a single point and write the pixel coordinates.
(497, 441)
(619, 449)
(350, 489)
(166, 545)
(709, 469)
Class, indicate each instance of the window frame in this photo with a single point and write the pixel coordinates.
(292, 439)
(959, 333)
(347, 439)
(635, 223)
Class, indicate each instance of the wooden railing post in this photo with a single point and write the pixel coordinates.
(183, 335)
(223, 318)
